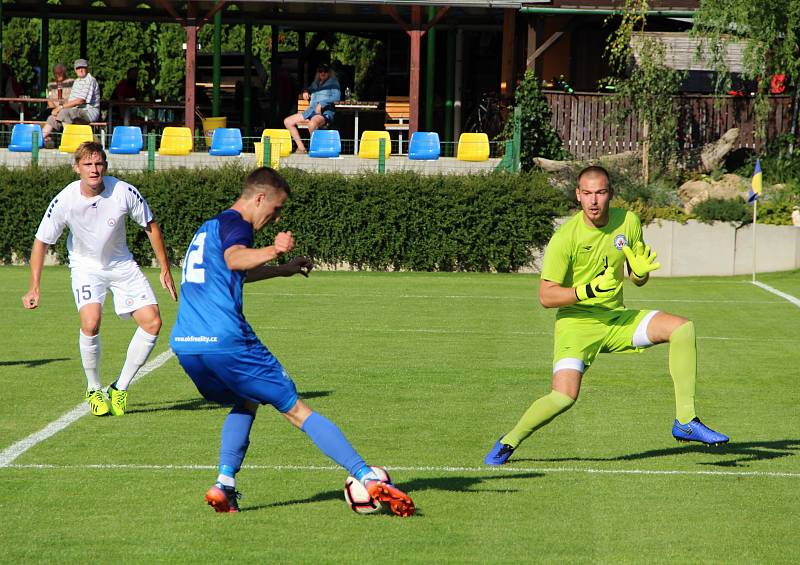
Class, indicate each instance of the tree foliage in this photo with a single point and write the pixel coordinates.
(156, 49)
(539, 137)
(647, 88)
(770, 30)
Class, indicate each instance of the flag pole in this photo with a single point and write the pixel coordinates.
(755, 212)
(752, 196)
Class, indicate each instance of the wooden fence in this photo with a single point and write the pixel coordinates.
(582, 124)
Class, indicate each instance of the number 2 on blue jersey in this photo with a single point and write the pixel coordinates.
(192, 272)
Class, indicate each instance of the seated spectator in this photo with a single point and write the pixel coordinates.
(126, 89)
(58, 90)
(322, 94)
(12, 90)
(82, 107)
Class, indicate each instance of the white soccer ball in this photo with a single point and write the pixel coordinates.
(357, 496)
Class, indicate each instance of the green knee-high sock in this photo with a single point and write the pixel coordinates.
(539, 414)
(683, 368)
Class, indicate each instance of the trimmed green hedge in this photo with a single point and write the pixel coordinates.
(393, 221)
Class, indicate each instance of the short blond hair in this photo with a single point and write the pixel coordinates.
(88, 148)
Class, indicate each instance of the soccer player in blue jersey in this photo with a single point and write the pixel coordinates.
(222, 354)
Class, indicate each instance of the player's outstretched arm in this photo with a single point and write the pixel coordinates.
(641, 262)
(157, 242)
(31, 298)
(241, 258)
(298, 265)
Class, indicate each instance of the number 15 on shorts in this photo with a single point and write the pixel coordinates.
(83, 293)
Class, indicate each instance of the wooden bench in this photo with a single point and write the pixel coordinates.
(302, 106)
(397, 114)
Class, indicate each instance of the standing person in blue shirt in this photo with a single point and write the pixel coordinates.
(222, 354)
(322, 94)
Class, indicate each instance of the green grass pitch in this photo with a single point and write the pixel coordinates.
(422, 372)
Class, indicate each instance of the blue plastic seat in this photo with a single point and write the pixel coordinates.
(21, 138)
(325, 143)
(126, 140)
(424, 146)
(226, 142)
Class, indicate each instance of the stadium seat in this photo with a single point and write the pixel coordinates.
(368, 146)
(325, 143)
(424, 146)
(226, 142)
(73, 135)
(126, 140)
(279, 139)
(22, 138)
(175, 141)
(473, 147)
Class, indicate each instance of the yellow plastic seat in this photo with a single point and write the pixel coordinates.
(369, 144)
(73, 135)
(175, 141)
(473, 147)
(279, 140)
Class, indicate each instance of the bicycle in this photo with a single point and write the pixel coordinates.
(486, 116)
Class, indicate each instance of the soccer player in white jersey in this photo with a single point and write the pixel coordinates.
(94, 209)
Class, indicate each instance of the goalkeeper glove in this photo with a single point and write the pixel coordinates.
(603, 285)
(641, 260)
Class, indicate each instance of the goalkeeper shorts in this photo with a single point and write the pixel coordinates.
(579, 339)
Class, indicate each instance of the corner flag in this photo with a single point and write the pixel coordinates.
(755, 184)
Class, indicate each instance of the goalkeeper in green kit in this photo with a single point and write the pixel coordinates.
(582, 276)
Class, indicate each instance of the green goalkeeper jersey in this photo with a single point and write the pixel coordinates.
(577, 253)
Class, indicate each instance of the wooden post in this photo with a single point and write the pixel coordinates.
(191, 65)
(507, 55)
(646, 153)
(413, 80)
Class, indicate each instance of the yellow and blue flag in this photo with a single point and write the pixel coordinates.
(755, 184)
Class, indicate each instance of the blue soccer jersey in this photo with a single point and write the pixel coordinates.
(210, 318)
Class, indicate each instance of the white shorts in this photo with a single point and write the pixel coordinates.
(128, 284)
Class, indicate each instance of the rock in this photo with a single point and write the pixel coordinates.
(551, 166)
(614, 159)
(713, 153)
(694, 192)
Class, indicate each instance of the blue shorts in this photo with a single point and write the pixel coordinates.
(253, 374)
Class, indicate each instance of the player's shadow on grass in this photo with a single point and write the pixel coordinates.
(730, 455)
(455, 484)
(200, 404)
(30, 364)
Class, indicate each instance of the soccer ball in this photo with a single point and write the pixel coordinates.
(357, 496)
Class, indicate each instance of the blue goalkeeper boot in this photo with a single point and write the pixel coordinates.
(499, 454)
(697, 431)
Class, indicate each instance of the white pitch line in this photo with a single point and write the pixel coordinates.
(450, 331)
(793, 299)
(530, 299)
(9, 454)
(434, 469)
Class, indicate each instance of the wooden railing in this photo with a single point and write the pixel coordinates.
(582, 124)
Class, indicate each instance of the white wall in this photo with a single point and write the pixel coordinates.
(698, 249)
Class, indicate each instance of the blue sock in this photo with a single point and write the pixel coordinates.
(331, 441)
(235, 440)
